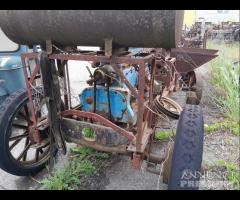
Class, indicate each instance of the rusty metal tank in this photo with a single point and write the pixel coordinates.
(127, 28)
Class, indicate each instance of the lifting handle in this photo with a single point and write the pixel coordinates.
(91, 75)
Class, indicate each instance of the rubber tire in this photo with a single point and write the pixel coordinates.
(188, 148)
(7, 112)
(199, 90)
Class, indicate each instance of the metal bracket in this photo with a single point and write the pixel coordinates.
(108, 47)
(49, 46)
(33, 134)
(136, 161)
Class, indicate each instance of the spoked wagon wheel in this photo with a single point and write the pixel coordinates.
(182, 168)
(19, 154)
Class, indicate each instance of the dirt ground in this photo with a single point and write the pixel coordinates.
(118, 175)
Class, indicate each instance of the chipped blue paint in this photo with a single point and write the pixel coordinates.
(121, 110)
(11, 73)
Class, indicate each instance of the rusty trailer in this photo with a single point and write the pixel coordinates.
(158, 72)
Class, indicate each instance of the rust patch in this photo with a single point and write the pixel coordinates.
(89, 100)
(136, 161)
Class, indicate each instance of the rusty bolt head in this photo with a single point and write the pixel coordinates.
(136, 161)
(89, 100)
(33, 134)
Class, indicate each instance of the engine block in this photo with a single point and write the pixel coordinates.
(121, 110)
(118, 96)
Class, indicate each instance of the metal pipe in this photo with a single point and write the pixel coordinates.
(109, 102)
(65, 88)
(68, 86)
(140, 102)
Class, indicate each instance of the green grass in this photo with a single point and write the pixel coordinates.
(84, 151)
(69, 178)
(88, 132)
(232, 126)
(225, 79)
(233, 173)
(163, 135)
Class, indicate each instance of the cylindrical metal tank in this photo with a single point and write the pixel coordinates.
(127, 28)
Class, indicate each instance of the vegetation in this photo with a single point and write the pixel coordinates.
(82, 151)
(225, 78)
(70, 177)
(233, 173)
(88, 132)
(232, 126)
(163, 135)
(81, 165)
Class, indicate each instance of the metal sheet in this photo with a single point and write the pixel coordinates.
(98, 118)
(188, 59)
(104, 135)
(127, 28)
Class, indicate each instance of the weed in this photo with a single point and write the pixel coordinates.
(233, 173)
(88, 132)
(101, 155)
(232, 126)
(85, 151)
(225, 79)
(69, 177)
(162, 135)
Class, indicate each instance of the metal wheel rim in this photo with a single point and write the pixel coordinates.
(170, 105)
(42, 150)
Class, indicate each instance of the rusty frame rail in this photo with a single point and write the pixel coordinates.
(138, 141)
(139, 95)
(28, 80)
(99, 118)
(173, 62)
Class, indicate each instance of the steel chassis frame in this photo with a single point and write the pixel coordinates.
(144, 124)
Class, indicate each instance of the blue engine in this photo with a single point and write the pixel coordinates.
(109, 90)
